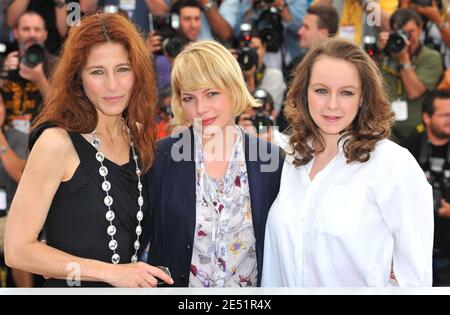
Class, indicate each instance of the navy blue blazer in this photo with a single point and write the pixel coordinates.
(172, 198)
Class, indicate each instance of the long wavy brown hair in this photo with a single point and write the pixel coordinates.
(67, 105)
(372, 123)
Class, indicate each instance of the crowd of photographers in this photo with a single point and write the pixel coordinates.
(409, 39)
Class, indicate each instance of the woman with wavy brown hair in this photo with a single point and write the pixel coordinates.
(352, 204)
(83, 182)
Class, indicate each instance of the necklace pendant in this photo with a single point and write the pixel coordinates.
(108, 201)
(113, 245)
(110, 215)
(103, 171)
(111, 230)
(106, 186)
(99, 156)
(115, 259)
(96, 143)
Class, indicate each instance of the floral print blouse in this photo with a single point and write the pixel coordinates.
(224, 243)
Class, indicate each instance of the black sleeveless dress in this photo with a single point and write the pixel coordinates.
(76, 222)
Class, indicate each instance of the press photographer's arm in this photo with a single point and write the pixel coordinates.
(413, 86)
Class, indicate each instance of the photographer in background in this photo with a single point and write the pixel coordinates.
(171, 34)
(436, 31)
(186, 27)
(25, 84)
(54, 13)
(265, 15)
(262, 77)
(410, 69)
(259, 120)
(431, 148)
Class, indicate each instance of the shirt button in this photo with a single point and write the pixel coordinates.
(188, 247)
(182, 277)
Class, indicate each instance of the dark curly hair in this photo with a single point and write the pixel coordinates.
(372, 123)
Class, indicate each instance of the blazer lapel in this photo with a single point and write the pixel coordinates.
(186, 181)
(254, 181)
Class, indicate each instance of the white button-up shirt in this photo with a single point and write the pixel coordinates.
(351, 224)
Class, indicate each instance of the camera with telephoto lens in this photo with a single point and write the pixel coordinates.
(440, 181)
(396, 42)
(370, 45)
(261, 121)
(33, 56)
(167, 26)
(247, 55)
(269, 26)
(423, 3)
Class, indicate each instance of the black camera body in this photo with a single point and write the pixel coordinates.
(33, 56)
(270, 28)
(396, 42)
(167, 27)
(247, 55)
(370, 45)
(261, 120)
(441, 186)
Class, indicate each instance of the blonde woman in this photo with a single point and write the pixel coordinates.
(211, 185)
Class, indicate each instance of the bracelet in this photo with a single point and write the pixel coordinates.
(209, 6)
(406, 66)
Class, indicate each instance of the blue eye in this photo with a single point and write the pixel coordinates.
(347, 93)
(321, 91)
(210, 94)
(97, 72)
(123, 69)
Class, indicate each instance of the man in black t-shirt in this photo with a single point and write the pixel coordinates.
(431, 148)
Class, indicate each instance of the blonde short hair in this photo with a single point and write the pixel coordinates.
(206, 65)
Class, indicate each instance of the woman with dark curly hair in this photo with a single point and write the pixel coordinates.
(353, 206)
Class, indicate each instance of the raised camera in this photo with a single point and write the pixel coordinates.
(270, 27)
(396, 42)
(33, 56)
(247, 55)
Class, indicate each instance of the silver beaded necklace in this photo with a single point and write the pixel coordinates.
(108, 201)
